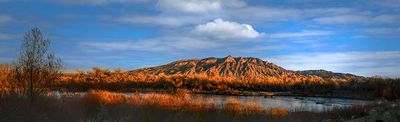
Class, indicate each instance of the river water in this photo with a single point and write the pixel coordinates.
(291, 103)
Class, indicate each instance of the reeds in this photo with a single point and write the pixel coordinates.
(277, 112)
(109, 106)
(180, 101)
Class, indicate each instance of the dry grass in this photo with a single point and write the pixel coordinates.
(234, 106)
(181, 106)
(277, 112)
(107, 97)
(180, 101)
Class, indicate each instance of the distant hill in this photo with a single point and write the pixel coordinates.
(328, 74)
(225, 67)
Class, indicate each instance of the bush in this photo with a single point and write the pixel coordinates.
(277, 112)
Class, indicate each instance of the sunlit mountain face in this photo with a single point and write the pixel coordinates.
(360, 37)
(229, 66)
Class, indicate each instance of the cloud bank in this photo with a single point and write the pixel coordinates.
(198, 6)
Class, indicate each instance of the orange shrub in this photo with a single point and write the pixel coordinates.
(181, 101)
(252, 108)
(232, 105)
(277, 112)
(235, 106)
(107, 97)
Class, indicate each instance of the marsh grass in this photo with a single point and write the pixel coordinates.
(181, 106)
(277, 112)
(180, 101)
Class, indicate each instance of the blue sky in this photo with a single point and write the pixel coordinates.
(358, 36)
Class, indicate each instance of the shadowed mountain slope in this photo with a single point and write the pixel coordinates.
(328, 74)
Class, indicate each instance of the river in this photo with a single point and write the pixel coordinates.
(291, 103)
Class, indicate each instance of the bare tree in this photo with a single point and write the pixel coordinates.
(35, 67)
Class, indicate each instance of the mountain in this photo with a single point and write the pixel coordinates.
(226, 67)
(237, 67)
(328, 74)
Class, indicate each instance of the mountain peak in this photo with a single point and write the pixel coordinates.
(229, 58)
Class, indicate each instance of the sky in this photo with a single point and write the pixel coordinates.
(361, 37)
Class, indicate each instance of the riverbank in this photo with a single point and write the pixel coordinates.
(341, 94)
(181, 106)
(334, 94)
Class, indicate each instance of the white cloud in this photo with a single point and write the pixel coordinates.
(190, 6)
(358, 19)
(386, 32)
(360, 36)
(239, 9)
(384, 63)
(261, 48)
(163, 45)
(387, 3)
(264, 14)
(220, 29)
(277, 14)
(332, 11)
(330, 15)
(198, 6)
(342, 19)
(5, 18)
(160, 20)
(6, 36)
(301, 34)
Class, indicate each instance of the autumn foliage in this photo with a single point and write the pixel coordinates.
(119, 80)
(99, 105)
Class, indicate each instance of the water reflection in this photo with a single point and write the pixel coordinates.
(314, 104)
(291, 103)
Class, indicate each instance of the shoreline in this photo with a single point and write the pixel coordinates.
(336, 94)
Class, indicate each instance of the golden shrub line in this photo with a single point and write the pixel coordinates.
(118, 75)
(181, 101)
(234, 105)
(118, 80)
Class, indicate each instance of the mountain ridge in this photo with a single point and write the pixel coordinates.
(328, 74)
(234, 67)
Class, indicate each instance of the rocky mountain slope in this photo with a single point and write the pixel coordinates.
(234, 67)
(227, 67)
